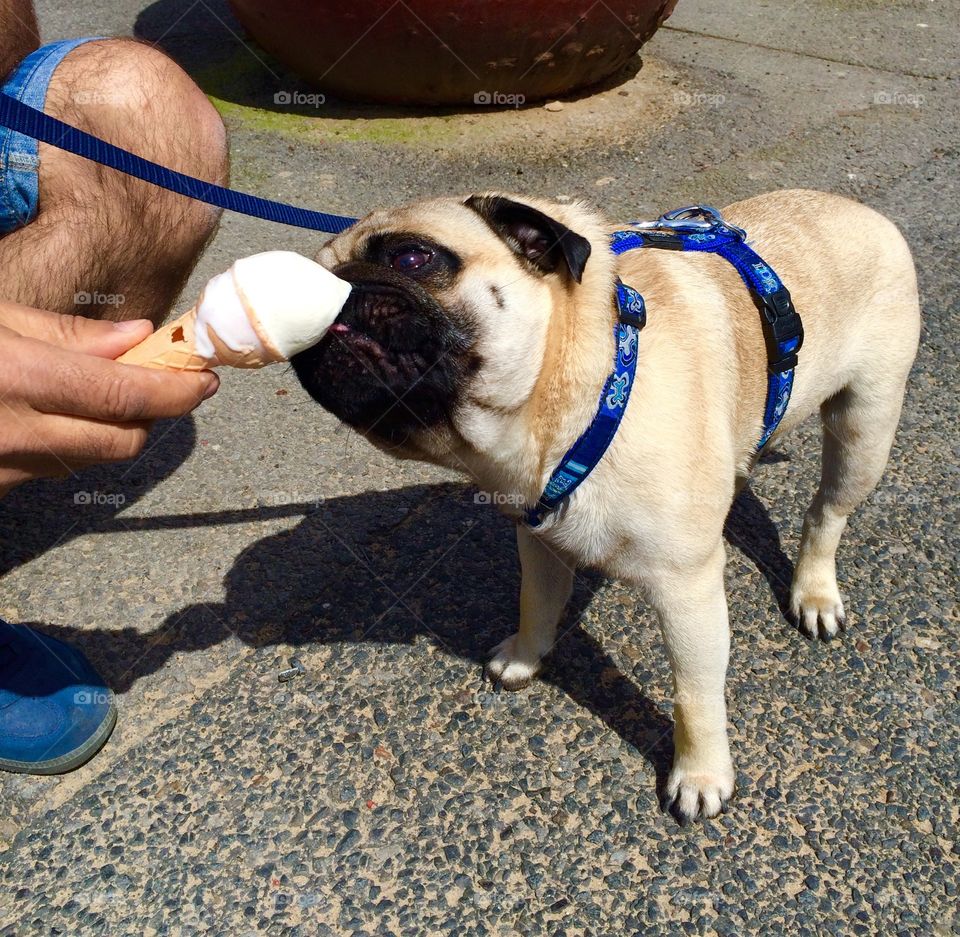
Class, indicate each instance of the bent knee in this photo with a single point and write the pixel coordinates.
(136, 97)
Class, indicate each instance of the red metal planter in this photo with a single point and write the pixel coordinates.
(446, 52)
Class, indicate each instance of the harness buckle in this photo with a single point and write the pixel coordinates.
(693, 219)
(631, 309)
(783, 331)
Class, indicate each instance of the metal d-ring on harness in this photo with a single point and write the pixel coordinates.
(695, 228)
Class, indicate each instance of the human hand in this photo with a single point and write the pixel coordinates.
(66, 404)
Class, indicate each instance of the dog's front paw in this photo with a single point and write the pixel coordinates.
(817, 607)
(694, 793)
(512, 666)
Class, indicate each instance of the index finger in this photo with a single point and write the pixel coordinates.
(76, 333)
(84, 385)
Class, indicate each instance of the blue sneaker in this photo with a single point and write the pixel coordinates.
(55, 711)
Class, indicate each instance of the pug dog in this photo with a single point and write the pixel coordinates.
(480, 332)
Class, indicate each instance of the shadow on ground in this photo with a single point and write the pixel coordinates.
(387, 567)
(39, 516)
(750, 529)
(208, 42)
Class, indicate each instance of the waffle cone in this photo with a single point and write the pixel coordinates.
(174, 346)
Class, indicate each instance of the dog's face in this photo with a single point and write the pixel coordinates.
(448, 320)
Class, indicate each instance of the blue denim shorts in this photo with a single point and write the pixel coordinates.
(19, 159)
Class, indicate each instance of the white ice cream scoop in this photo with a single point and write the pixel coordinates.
(266, 308)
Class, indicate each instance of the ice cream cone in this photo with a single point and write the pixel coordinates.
(264, 309)
(174, 346)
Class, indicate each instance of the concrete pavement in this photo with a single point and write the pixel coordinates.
(389, 790)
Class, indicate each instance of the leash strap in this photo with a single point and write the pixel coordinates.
(31, 122)
(582, 457)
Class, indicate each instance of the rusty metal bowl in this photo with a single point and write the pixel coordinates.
(493, 52)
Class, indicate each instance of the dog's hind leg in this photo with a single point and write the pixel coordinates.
(545, 587)
(858, 428)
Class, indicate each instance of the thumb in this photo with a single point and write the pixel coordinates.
(76, 333)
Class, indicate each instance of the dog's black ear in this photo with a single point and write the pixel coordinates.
(540, 239)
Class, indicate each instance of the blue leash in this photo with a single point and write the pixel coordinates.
(34, 123)
(697, 228)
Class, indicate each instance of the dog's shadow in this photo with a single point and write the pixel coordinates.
(385, 567)
(379, 567)
(750, 529)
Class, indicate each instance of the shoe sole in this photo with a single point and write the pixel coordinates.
(72, 760)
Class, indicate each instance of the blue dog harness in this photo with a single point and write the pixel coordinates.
(696, 228)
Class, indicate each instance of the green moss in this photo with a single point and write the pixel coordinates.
(258, 119)
(400, 131)
(413, 131)
(237, 76)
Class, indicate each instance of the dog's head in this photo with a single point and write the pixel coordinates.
(449, 320)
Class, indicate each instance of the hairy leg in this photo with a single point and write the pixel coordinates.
(545, 587)
(20, 33)
(103, 244)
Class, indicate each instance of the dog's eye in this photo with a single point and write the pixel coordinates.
(410, 258)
